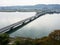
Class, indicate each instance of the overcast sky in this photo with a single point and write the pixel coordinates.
(27, 2)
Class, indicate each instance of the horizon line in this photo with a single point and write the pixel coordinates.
(28, 5)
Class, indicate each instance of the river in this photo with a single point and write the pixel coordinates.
(36, 29)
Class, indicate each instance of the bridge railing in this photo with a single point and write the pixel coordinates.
(7, 28)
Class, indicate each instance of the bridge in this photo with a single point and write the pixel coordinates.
(19, 24)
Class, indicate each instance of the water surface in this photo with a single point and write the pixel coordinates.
(7, 18)
(36, 29)
(40, 27)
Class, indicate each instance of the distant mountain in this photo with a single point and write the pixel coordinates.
(35, 6)
(38, 6)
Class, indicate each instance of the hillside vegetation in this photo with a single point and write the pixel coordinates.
(52, 39)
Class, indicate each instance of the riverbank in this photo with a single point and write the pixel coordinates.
(52, 39)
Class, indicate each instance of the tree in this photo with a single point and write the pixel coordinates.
(4, 39)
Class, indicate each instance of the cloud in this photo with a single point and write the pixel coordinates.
(27, 2)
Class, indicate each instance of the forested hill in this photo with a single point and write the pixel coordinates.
(38, 6)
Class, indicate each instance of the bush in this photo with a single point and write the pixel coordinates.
(4, 39)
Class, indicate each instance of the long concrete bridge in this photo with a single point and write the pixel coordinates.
(21, 23)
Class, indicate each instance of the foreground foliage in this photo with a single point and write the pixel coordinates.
(4, 39)
(52, 39)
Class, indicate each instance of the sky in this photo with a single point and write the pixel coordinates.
(27, 2)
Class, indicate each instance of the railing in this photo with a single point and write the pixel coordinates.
(20, 23)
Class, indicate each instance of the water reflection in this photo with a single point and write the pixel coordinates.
(39, 27)
(35, 29)
(7, 18)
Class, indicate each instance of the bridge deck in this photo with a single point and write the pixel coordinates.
(20, 23)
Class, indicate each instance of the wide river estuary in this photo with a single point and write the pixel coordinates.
(38, 28)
